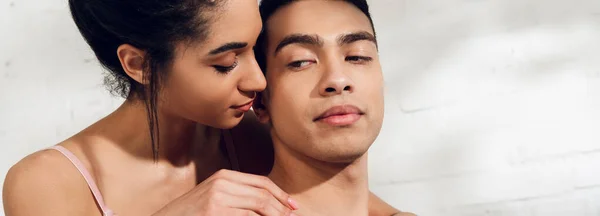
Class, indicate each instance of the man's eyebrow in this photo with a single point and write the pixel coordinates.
(228, 46)
(356, 36)
(299, 39)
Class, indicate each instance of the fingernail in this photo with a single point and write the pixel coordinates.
(292, 214)
(293, 204)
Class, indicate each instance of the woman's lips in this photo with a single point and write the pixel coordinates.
(244, 107)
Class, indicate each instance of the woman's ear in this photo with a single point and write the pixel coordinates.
(260, 109)
(132, 61)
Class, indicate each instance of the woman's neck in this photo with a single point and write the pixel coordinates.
(179, 140)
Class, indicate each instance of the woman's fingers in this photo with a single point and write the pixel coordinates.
(259, 182)
(239, 196)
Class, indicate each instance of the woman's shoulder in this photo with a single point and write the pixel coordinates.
(44, 165)
(43, 180)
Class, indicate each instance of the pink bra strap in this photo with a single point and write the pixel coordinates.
(88, 178)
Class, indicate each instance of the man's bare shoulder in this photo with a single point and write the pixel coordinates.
(404, 214)
(42, 182)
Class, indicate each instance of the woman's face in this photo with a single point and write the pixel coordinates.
(214, 83)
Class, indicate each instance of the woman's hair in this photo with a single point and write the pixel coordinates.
(154, 26)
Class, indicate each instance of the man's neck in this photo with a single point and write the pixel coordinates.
(322, 188)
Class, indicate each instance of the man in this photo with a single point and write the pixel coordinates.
(324, 102)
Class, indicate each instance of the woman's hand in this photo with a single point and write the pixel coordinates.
(232, 193)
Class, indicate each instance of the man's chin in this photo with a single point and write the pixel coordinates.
(342, 157)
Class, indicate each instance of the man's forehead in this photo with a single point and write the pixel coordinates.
(323, 18)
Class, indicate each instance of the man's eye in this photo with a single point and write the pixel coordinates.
(300, 64)
(359, 59)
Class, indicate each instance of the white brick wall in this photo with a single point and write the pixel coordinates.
(492, 108)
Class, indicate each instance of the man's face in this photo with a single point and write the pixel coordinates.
(324, 96)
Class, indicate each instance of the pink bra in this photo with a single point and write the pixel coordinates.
(94, 188)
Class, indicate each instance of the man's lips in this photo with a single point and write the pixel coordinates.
(244, 107)
(340, 115)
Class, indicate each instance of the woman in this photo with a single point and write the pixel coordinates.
(186, 68)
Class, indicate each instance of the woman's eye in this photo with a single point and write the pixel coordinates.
(225, 69)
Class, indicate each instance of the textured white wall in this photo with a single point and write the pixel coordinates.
(492, 108)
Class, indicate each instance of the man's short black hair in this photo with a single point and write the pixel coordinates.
(269, 7)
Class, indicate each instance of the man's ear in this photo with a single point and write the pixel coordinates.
(260, 108)
(132, 61)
